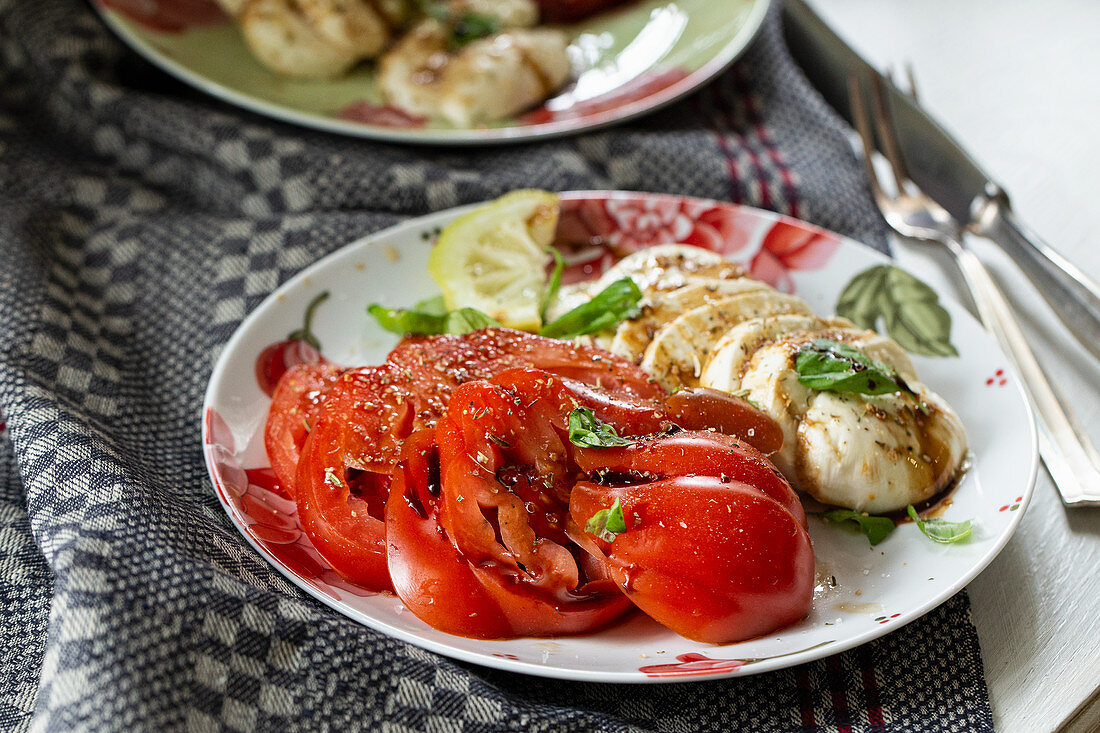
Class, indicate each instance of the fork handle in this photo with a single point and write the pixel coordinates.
(1069, 456)
(1071, 294)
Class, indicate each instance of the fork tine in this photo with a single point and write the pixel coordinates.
(885, 129)
(911, 78)
(863, 126)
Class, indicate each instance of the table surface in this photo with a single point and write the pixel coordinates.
(1016, 82)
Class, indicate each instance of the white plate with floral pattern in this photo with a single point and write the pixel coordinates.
(863, 592)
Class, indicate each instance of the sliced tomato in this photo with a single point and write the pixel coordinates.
(295, 405)
(345, 471)
(715, 561)
(693, 453)
(699, 409)
(435, 365)
(430, 576)
(497, 518)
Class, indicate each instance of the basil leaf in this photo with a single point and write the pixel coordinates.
(468, 320)
(433, 306)
(909, 308)
(554, 284)
(616, 302)
(471, 26)
(829, 365)
(940, 530)
(875, 529)
(607, 524)
(430, 322)
(588, 431)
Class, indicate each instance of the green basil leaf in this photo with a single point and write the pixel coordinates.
(433, 306)
(940, 530)
(553, 285)
(875, 529)
(430, 322)
(468, 320)
(588, 431)
(616, 302)
(909, 308)
(607, 524)
(471, 26)
(825, 364)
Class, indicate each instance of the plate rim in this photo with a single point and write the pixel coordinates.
(487, 659)
(469, 137)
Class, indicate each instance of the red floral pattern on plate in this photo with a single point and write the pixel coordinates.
(692, 664)
(594, 232)
(640, 87)
(169, 16)
(788, 247)
(381, 115)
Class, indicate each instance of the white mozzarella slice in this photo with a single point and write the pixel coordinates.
(876, 453)
(868, 453)
(662, 306)
(679, 349)
(668, 266)
(722, 369)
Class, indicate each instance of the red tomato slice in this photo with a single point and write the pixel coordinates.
(714, 561)
(699, 409)
(345, 471)
(435, 365)
(498, 519)
(430, 576)
(295, 405)
(693, 453)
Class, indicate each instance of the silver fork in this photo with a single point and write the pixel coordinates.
(1069, 456)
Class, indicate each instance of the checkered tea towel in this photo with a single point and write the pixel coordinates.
(140, 221)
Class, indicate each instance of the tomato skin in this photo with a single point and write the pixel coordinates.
(345, 471)
(436, 365)
(492, 535)
(694, 453)
(699, 409)
(295, 405)
(339, 524)
(715, 562)
(278, 358)
(430, 576)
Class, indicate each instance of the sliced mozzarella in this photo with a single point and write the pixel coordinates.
(869, 453)
(722, 369)
(284, 41)
(662, 306)
(877, 453)
(669, 266)
(681, 347)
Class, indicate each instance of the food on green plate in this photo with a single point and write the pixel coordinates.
(464, 61)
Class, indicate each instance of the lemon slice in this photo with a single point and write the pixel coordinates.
(494, 258)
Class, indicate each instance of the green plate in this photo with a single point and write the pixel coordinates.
(627, 62)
